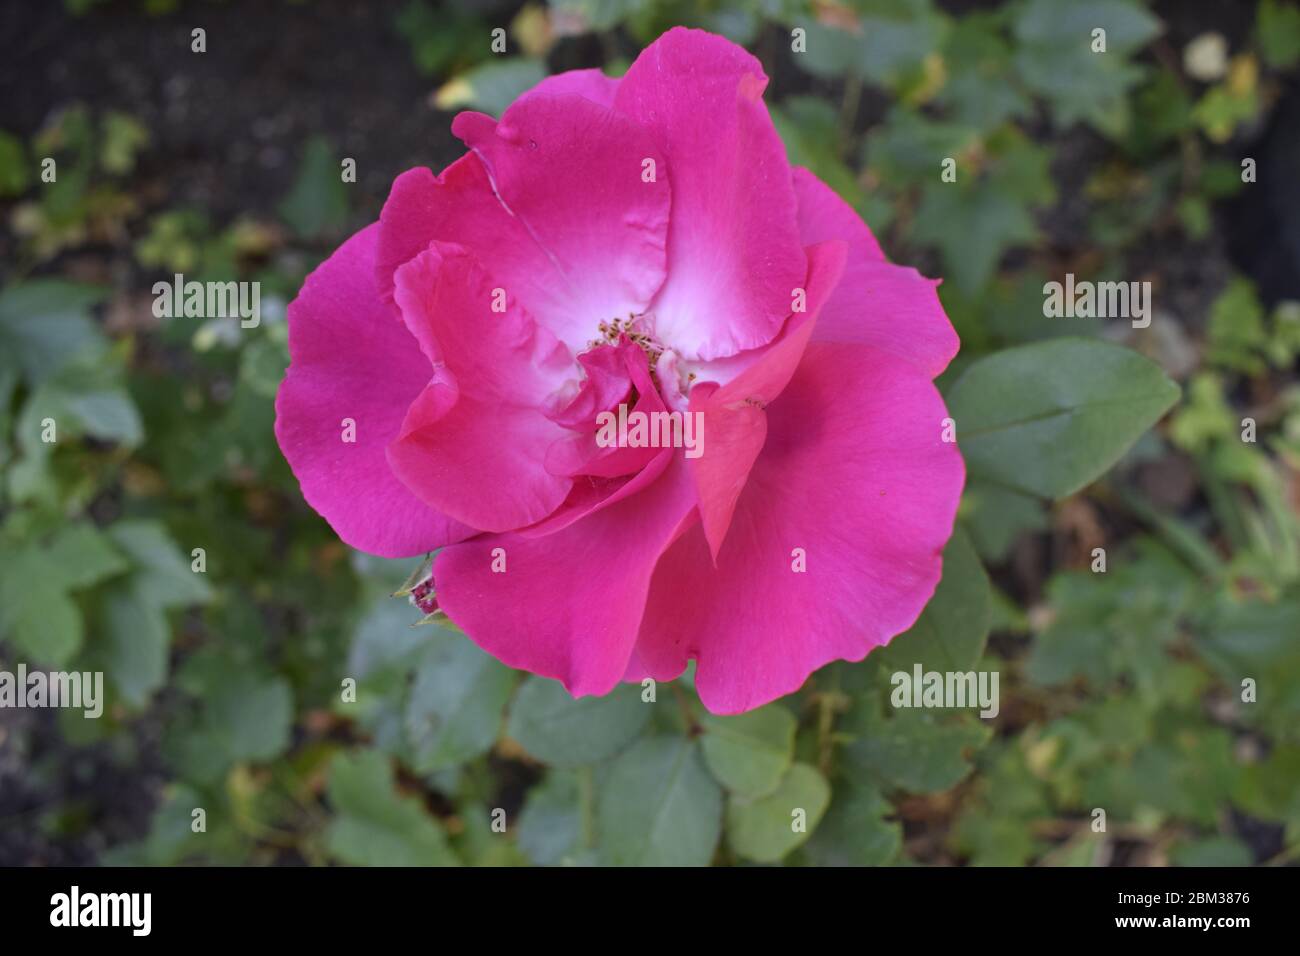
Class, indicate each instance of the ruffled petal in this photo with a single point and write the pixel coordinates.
(351, 359)
(590, 84)
(583, 453)
(553, 203)
(734, 423)
(734, 255)
(474, 444)
(566, 605)
(856, 482)
(877, 303)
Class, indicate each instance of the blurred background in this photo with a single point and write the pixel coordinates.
(226, 695)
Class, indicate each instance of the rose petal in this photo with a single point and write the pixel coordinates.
(877, 303)
(734, 254)
(351, 358)
(567, 605)
(553, 204)
(474, 444)
(591, 84)
(855, 472)
(734, 422)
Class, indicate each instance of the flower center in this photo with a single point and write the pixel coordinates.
(634, 328)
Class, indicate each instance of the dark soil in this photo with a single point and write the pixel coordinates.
(228, 125)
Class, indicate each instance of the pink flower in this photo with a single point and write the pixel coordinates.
(643, 243)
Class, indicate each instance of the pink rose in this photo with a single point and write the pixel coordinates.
(635, 245)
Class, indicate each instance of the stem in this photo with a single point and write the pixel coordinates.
(849, 112)
(587, 806)
(688, 712)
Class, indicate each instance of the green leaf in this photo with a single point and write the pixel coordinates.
(658, 806)
(950, 633)
(106, 414)
(809, 128)
(13, 165)
(36, 612)
(1213, 851)
(454, 710)
(1067, 23)
(8, 388)
(892, 37)
(854, 831)
(564, 732)
(251, 716)
(479, 842)
(376, 826)
(987, 221)
(915, 750)
(1256, 641)
(908, 146)
(1191, 775)
(1051, 417)
(996, 516)
(766, 828)
(40, 619)
(990, 827)
(491, 86)
(1055, 59)
(45, 325)
(550, 826)
(1237, 336)
(123, 137)
(384, 640)
(318, 202)
(984, 97)
(441, 37)
(1277, 28)
(976, 219)
(162, 573)
(1105, 627)
(1270, 789)
(749, 753)
(80, 555)
(137, 638)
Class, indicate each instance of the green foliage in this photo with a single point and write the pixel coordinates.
(1278, 30)
(1060, 59)
(455, 704)
(491, 86)
(14, 172)
(766, 828)
(1046, 419)
(658, 806)
(976, 219)
(441, 39)
(45, 326)
(893, 38)
(750, 753)
(951, 631)
(1240, 338)
(318, 203)
(560, 731)
(375, 825)
(79, 161)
